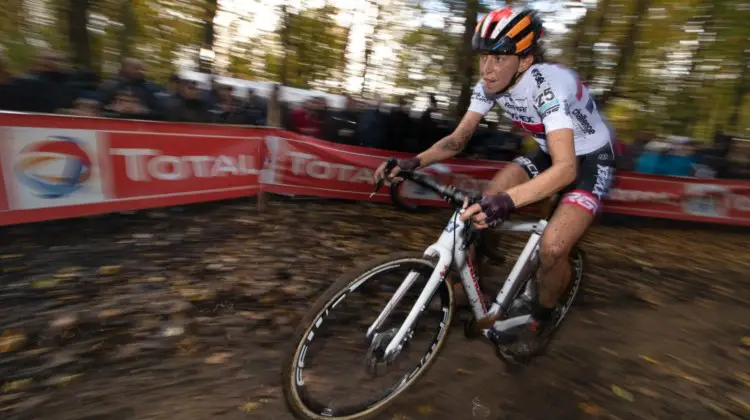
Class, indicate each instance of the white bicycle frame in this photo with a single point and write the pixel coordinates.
(449, 249)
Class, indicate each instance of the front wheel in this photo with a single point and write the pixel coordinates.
(339, 320)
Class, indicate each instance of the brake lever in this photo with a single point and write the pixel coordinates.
(471, 234)
(392, 163)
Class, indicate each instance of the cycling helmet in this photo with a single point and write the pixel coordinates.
(508, 31)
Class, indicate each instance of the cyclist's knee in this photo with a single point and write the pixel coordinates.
(553, 250)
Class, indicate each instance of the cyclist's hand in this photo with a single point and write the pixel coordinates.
(380, 173)
(490, 211)
(410, 164)
(474, 212)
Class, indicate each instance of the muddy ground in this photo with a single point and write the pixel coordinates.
(184, 313)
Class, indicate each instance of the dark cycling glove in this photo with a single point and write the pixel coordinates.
(497, 208)
(409, 165)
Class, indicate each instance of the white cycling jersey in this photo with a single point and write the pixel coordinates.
(549, 97)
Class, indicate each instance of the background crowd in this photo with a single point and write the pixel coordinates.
(52, 86)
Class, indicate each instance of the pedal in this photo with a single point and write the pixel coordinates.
(471, 330)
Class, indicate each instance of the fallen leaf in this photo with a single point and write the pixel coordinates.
(425, 409)
(741, 402)
(745, 341)
(647, 392)
(18, 385)
(64, 322)
(250, 406)
(10, 256)
(44, 283)
(108, 270)
(63, 380)
(68, 270)
(218, 358)
(648, 359)
(590, 409)
(622, 393)
(11, 340)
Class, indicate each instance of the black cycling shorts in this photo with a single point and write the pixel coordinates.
(596, 172)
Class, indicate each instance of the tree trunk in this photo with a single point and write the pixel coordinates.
(466, 62)
(587, 60)
(125, 37)
(742, 89)
(285, 44)
(627, 52)
(207, 42)
(78, 34)
(368, 48)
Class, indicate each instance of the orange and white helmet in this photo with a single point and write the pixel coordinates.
(508, 31)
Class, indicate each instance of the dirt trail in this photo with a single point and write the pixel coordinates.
(183, 314)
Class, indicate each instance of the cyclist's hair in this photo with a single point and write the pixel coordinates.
(539, 54)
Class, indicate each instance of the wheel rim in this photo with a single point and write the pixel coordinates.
(316, 409)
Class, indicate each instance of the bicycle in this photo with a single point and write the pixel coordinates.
(450, 251)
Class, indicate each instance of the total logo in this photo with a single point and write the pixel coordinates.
(55, 167)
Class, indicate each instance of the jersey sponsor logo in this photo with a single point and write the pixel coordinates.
(528, 165)
(517, 117)
(566, 108)
(582, 199)
(509, 105)
(479, 96)
(583, 122)
(549, 108)
(537, 75)
(546, 102)
(603, 180)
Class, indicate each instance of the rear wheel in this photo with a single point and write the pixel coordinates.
(340, 318)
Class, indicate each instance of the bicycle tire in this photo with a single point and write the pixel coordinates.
(579, 263)
(334, 292)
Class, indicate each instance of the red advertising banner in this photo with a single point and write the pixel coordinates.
(706, 200)
(306, 166)
(56, 167)
(302, 165)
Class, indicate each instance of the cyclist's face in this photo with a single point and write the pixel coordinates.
(497, 71)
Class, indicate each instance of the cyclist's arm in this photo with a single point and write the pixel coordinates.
(561, 174)
(454, 143)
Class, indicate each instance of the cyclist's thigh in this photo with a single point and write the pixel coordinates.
(579, 205)
(596, 172)
(519, 171)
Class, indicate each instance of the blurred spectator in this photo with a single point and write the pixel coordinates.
(306, 119)
(428, 130)
(87, 104)
(372, 127)
(43, 89)
(188, 105)
(400, 129)
(7, 94)
(227, 108)
(125, 104)
(173, 86)
(343, 123)
(675, 157)
(256, 109)
(131, 78)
